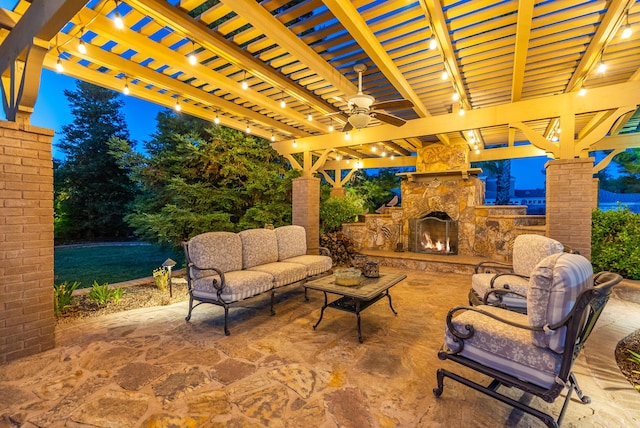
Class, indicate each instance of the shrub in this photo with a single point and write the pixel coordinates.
(335, 211)
(635, 358)
(161, 278)
(615, 242)
(102, 295)
(63, 296)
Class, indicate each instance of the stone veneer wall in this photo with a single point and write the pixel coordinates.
(27, 321)
(454, 195)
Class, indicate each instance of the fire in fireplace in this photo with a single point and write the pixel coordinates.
(435, 233)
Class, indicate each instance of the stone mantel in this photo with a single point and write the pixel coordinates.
(421, 177)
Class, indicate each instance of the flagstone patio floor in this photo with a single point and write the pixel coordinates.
(150, 368)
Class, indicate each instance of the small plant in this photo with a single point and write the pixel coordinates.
(63, 296)
(102, 294)
(161, 278)
(635, 358)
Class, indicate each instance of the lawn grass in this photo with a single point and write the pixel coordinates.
(110, 263)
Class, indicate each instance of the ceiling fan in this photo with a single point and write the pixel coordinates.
(362, 107)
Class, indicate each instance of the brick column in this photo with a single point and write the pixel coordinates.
(338, 192)
(306, 209)
(570, 201)
(26, 241)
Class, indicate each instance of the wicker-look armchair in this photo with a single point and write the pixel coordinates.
(533, 352)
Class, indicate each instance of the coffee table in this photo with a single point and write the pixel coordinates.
(355, 299)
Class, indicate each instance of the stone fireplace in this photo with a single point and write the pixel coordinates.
(435, 233)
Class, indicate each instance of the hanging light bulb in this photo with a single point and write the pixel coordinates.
(178, 107)
(338, 157)
(59, 67)
(374, 148)
(470, 133)
(602, 67)
(309, 117)
(392, 157)
(433, 43)
(358, 163)
(193, 60)
(477, 151)
(445, 75)
(283, 104)
(383, 154)
(461, 111)
(82, 48)
(347, 136)
(273, 137)
(331, 126)
(475, 147)
(455, 96)
(216, 119)
(248, 128)
(582, 92)
(125, 90)
(117, 18)
(295, 143)
(626, 33)
(245, 85)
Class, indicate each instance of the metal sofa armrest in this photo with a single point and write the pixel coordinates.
(493, 267)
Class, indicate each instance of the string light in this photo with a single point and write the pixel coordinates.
(374, 148)
(216, 119)
(117, 19)
(347, 136)
(626, 33)
(81, 46)
(461, 111)
(283, 104)
(273, 137)
(248, 128)
(309, 117)
(433, 43)
(455, 96)
(392, 157)
(582, 92)
(602, 67)
(178, 107)
(338, 157)
(245, 85)
(125, 90)
(295, 143)
(193, 60)
(445, 75)
(331, 125)
(59, 66)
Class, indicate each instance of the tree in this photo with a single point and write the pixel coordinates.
(628, 181)
(501, 170)
(377, 189)
(92, 191)
(200, 177)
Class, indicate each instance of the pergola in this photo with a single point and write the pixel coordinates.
(514, 68)
(507, 79)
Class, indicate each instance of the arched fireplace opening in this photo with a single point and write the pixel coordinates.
(435, 233)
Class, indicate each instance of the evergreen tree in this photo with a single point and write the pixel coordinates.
(200, 177)
(501, 170)
(628, 181)
(92, 191)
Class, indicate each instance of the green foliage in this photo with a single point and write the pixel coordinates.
(615, 242)
(200, 177)
(103, 295)
(161, 278)
(634, 358)
(92, 191)
(335, 211)
(375, 190)
(63, 296)
(501, 171)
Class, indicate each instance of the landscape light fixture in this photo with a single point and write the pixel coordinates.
(168, 264)
(117, 18)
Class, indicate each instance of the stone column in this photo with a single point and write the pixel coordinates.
(306, 209)
(27, 321)
(570, 201)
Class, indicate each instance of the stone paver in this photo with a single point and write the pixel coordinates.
(149, 367)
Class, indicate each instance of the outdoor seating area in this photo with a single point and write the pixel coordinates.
(279, 371)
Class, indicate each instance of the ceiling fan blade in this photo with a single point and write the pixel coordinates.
(347, 127)
(382, 105)
(389, 118)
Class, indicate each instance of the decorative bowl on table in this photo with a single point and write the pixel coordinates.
(348, 277)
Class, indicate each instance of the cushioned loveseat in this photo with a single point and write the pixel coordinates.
(225, 267)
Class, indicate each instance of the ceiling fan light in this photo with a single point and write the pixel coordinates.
(359, 120)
